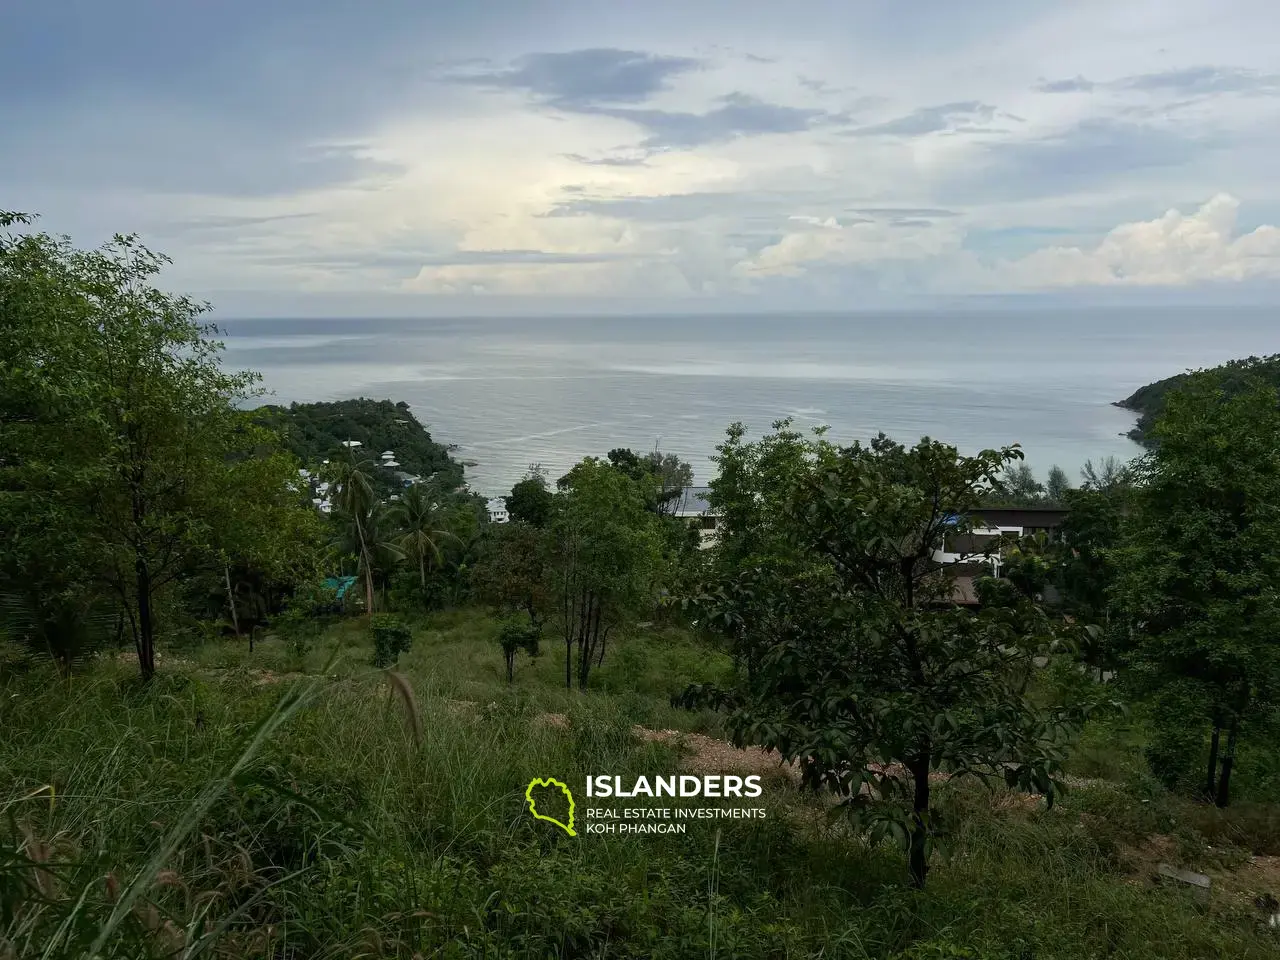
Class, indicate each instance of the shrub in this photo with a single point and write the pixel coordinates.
(391, 637)
(409, 594)
(515, 636)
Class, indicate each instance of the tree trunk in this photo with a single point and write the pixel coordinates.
(590, 641)
(231, 599)
(918, 861)
(1211, 780)
(604, 640)
(422, 569)
(368, 587)
(511, 666)
(146, 628)
(1228, 761)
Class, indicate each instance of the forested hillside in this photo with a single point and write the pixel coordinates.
(1148, 402)
(315, 431)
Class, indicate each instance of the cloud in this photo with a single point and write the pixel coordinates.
(922, 212)
(946, 116)
(830, 244)
(584, 78)
(552, 149)
(1202, 80)
(1185, 81)
(738, 115)
(613, 161)
(1090, 154)
(1173, 250)
(1076, 84)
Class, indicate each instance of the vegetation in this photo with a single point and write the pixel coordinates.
(530, 500)
(314, 432)
(391, 637)
(1199, 567)
(351, 781)
(1149, 401)
(855, 662)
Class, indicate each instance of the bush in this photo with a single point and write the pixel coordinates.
(409, 594)
(391, 637)
(517, 635)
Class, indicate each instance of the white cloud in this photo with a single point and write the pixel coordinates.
(684, 168)
(830, 243)
(1173, 250)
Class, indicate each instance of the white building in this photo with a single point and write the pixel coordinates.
(497, 508)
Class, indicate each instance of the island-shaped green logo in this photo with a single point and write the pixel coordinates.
(533, 806)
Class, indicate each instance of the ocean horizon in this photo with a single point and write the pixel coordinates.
(515, 391)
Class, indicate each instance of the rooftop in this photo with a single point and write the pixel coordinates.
(692, 502)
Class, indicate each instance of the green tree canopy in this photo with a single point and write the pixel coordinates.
(1199, 567)
(530, 499)
(121, 428)
(854, 661)
(605, 556)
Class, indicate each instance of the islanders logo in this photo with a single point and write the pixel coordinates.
(550, 783)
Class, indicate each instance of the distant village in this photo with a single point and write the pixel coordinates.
(974, 554)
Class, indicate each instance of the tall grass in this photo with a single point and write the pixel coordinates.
(337, 814)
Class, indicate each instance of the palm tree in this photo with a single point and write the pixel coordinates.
(372, 539)
(417, 516)
(355, 500)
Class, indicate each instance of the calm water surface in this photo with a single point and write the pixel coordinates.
(516, 391)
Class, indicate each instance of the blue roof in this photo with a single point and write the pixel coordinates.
(340, 584)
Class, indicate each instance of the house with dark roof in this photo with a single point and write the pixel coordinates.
(692, 507)
(978, 551)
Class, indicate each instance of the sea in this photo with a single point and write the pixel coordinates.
(517, 391)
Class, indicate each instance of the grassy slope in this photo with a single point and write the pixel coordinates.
(401, 849)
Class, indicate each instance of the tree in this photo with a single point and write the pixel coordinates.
(512, 572)
(1110, 474)
(514, 637)
(420, 527)
(1086, 569)
(674, 476)
(371, 537)
(1199, 567)
(269, 537)
(1057, 485)
(530, 498)
(354, 501)
(662, 477)
(852, 658)
(605, 554)
(1016, 487)
(120, 421)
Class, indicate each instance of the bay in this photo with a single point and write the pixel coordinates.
(520, 390)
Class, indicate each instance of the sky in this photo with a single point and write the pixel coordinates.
(317, 157)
